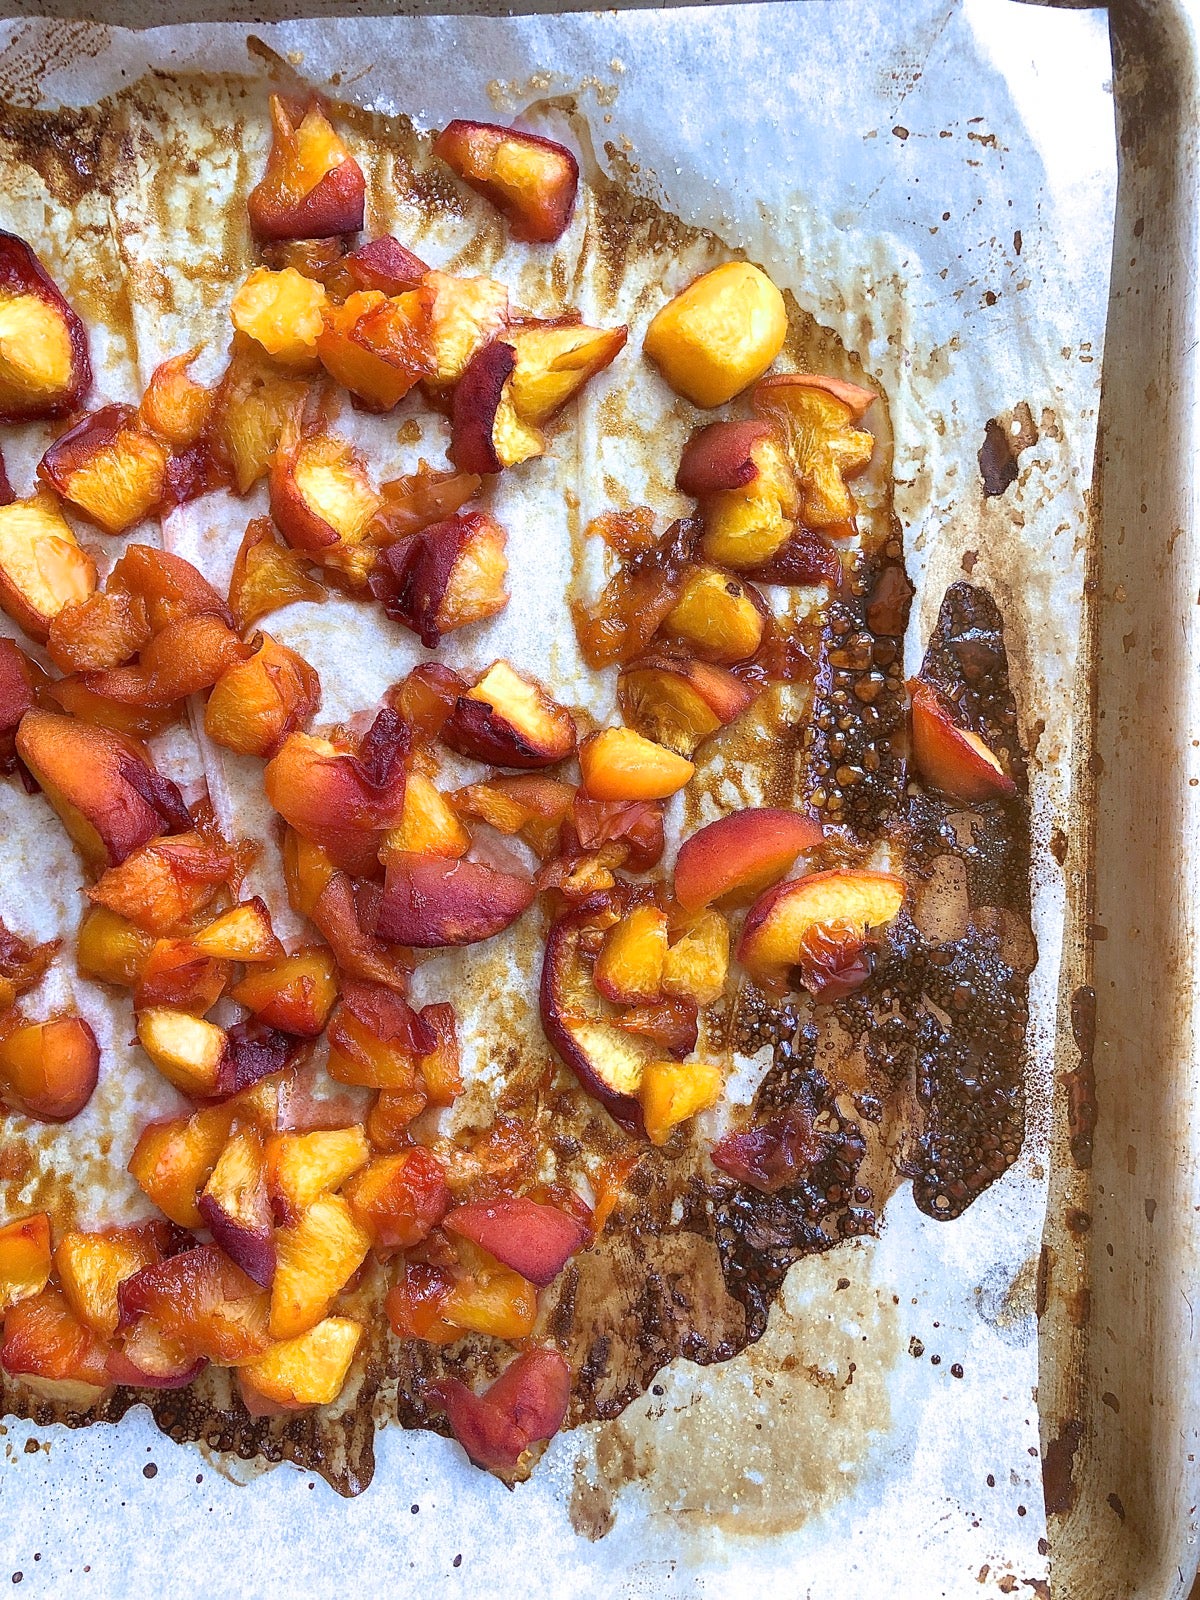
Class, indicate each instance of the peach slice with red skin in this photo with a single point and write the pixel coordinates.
(465, 314)
(823, 925)
(183, 658)
(400, 1198)
(315, 1259)
(736, 857)
(237, 1209)
(619, 764)
(45, 365)
(509, 721)
(721, 457)
(26, 1259)
(147, 1359)
(378, 346)
(376, 1038)
(204, 1303)
(176, 977)
(320, 494)
(256, 405)
(679, 702)
(532, 180)
(107, 468)
(384, 264)
(634, 826)
(533, 1239)
(430, 903)
(256, 703)
(52, 1352)
(526, 1406)
(488, 433)
(165, 882)
(49, 1070)
(448, 576)
(42, 568)
(295, 994)
(313, 187)
(950, 758)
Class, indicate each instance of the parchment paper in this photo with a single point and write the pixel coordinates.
(934, 183)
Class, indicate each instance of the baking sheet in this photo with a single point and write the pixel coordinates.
(950, 223)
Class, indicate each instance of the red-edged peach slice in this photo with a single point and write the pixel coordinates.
(509, 721)
(204, 1303)
(42, 568)
(49, 1070)
(745, 523)
(619, 764)
(108, 468)
(255, 704)
(817, 417)
(464, 315)
(45, 368)
(377, 346)
(164, 883)
(313, 188)
(447, 576)
(321, 495)
(535, 1240)
(532, 180)
(309, 1370)
(822, 925)
(257, 405)
(526, 1406)
(950, 758)
(554, 361)
(857, 399)
(25, 1259)
(678, 702)
(737, 857)
(54, 1354)
(721, 456)
(331, 798)
(237, 1209)
(429, 902)
(488, 434)
(400, 1198)
(20, 677)
(384, 264)
(182, 659)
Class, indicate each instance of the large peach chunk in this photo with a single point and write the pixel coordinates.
(202, 1301)
(54, 1354)
(179, 978)
(378, 346)
(172, 1161)
(48, 1070)
(720, 334)
(488, 432)
(629, 966)
(282, 312)
(816, 416)
(530, 179)
(747, 523)
(237, 1209)
(447, 576)
(429, 825)
(321, 495)
(533, 1239)
(301, 1167)
(525, 1406)
(164, 883)
(295, 994)
(109, 797)
(679, 702)
(92, 1266)
(42, 568)
(105, 630)
(243, 933)
(170, 588)
(257, 404)
(554, 361)
(737, 857)
(315, 1260)
(331, 797)
(309, 1370)
(313, 188)
(255, 704)
(400, 1198)
(25, 1259)
(509, 721)
(671, 1092)
(717, 616)
(187, 1050)
(384, 264)
(822, 925)
(429, 902)
(949, 757)
(45, 370)
(465, 314)
(696, 965)
(108, 468)
(618, 764)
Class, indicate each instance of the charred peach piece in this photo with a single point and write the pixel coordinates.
(108, 469)
(399, 1198)
(554, 361)
(673, 1091)
(111, 948)
(314, 1262)
(48, 1070)
(629, 967)
(295, 994)
(105, 630)
(720, 334)
(737, 857)
(92, 1266)
(25, 1259)
(175, 406)
(309, 1370)
(170, 588)
(679, 703)
(42, 568)
(488, 434)
(243, 933)
(386, 265)
(301, 1167)
(431, 903)
(45, 370)
(327, 795)
(164, 883)
(282, 312)
(176, 977)
(817, 420)
(618, 764)
(697, 964)
(53, 1353)
(509, 721)
(204, 1303)
(716, 615)
(534, 807)
(378, 346)
(429, 825)
(950, 758)
(530, 179)
(465, 314)
(236, 1208)
(255, 704)
(446, 577)
(313, 188)
(533, 1239)
(268, 575)
(187, 1050)
(799, 918)
(172, 1161)
(525, 1406)
(257, 403)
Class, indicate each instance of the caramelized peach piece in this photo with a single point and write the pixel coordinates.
(268, 575)
(22, 965)
(697, 963)
(384, 264)
(822, 924)
(257, 404)
(177, 977)
(42, 568)
(307, 869)
(717, 616)
(183, 658)
(533, 1239)
(399, 1198)
(108, 469)
(165, 882)
(53, 1353)
(417, 499)
(618, 764)
(20, 680)
(376, 1038)
(533, 806)
(204, 1303)
(629, 966)
(679, 702)
(721, 333)
(378, 346)
(816, 416)
(243, 933)
(84, 705)
(49, 1070)
(509, 721)
(721, 456)
(525, 1406)
(673, 1091)
(187, 1050)
(172, 1161)
(488, 434)
(111, 948)
(430, 903)
(255, 704)
(175, 406)
(295, 994)
(426, 697)
(530, 179)
(313, 188)
(749, 523)
(92, 1266)
(464, 315)
(169, 587)
(315, 1260)
(738, 856)
(429, 825)
(490, 1299)
(447, 576)
(25, 1259)
(282, 312)
(309, 1370)
(301, 1167)
(949, 757)
(554, 361)
(439, 1067)
(45, 369)
(323, 502)
(330, 796)
(236, 1208)
(105, 630)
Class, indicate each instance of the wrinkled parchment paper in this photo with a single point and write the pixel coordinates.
(934, 183)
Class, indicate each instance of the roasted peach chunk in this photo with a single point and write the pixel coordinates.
(429, 902)
(257, 403)
(303, 1166)
(697, 963)
(816, 417)
(85, 705)
(255, 704)
(45, 370)
(188, 1051)
(629, 966)
(488, 434)
(53, 1353)
(530, 179)
(42, 568)
(204, 1302)
(679, 702)
(236, 1207)
(619, 764)
(48, 1070)
(107, 468)
(429, 825)
(526, 1405)
(183, 658)
(105, 630)
(439, 1067)
(533, 806)
(307, 869)
(111, 948)
(323, 502)
(177, 977)
(417, 499)
(378, 346)
(175, 406)
(534, 1239)
(721, 333)
(464, 315)
(490, 1299)
(375, 1039)
(243, 933)
(738, 856)
(165, 882)
(315, 1260)
(822, 925)
(295, 994)
(20, 680)
(268, 575)
(554, 361)
(169, 587)
(746, 525)
(172, 1161)
(282, 312)
(331, 797)
(313, 188)
(509, 721)
(309, 1370)
(92, 1266)
(25, 1259)
(446, 577)
(384, 264)
(673, 1091)
(950, 758)
(399, 1198)
(716, 615)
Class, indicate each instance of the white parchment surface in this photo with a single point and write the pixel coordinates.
(934, 182)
